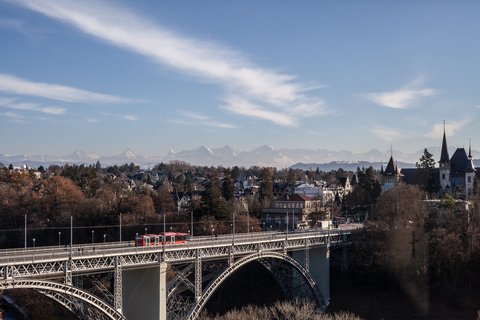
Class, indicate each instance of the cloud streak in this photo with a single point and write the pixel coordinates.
(26, 106)
(15, 85)
(271, 92)
(201, 120)
(384, 133)
(130, 117)
(451, 128)
(403, 98)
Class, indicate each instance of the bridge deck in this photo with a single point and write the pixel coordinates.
(43, 261)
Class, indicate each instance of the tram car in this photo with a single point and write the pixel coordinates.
(163, 238)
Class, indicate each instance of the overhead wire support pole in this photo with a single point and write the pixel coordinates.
(71, 236)
(25, 232)
(120, 227)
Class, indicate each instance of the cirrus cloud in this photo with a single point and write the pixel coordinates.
(15, 85)
(264, 93)
(402, 98)
(451, 128)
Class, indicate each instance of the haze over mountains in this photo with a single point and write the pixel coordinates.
(228, 157)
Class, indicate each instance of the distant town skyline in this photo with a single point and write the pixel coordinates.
(104, 76)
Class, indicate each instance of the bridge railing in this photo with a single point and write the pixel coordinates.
(10, 256)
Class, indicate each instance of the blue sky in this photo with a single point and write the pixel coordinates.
(156, 75)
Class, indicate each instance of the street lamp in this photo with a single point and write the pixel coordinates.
(248, 222)
(104, 236)
(263, 222)
(93, 236)
(146, 230)
(33, 242)
(59, 237)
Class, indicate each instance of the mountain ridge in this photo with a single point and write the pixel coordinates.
(226, 156)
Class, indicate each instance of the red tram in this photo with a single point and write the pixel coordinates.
(160, 239)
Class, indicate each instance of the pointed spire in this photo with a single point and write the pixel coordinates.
(470, 149)
(444, 157)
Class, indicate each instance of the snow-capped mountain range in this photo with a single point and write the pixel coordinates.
(228, 157)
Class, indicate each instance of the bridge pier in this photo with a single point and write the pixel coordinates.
(317, 262)
(143, 290)
(163, 292)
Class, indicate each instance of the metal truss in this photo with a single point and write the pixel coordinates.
(181, 282)
(117, 285)
(209, 262)
(79, 308)
(54, 287)
(288, 266)
(307, 256)
(100, 289)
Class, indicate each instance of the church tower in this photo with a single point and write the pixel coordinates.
(469, 174)
(444, 162)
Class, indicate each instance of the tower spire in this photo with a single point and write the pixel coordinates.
(444, 157)
(470, 148)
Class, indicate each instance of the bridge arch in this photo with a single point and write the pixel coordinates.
(55, 291)
(212, 287)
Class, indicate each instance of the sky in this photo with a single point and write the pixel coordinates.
(154, 76)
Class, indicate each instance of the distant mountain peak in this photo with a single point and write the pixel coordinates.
(129, 154)
(263, 155)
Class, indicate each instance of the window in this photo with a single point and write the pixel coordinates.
(469, 179)
(443, 176)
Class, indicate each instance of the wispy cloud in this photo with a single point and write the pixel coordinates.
(26, 106)
(13, 24)
(14, 85)
(242, 106)
(11, 114)
(20, 26)
(130, 117)
(403, 98)
(194, 118)
(384, 133)
(451, 128)
(272, 92)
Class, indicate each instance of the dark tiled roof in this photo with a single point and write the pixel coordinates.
(343, 181)
(391, 168)
(460, 162)
(409, 175)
